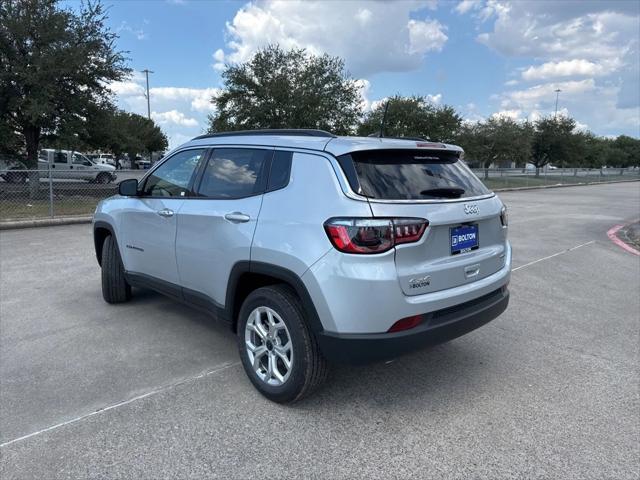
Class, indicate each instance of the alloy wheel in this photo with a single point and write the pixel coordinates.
(268, 346)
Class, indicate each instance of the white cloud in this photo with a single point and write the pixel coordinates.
(435, 99)
(127, 88)
(377, 103)
(175, 117)
(586, 101)
(365, 88)
(199, 98)
(180, 111)
(139, 33)
(425, 36)
(512, 114)
(371, 37)
(545, 93)
(588, 49)
(565, 68)
(467, 5)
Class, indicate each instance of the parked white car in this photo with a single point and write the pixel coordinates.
(67, 164)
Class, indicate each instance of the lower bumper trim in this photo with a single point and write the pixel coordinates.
(440, 326)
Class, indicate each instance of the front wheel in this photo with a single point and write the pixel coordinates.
(278, 350)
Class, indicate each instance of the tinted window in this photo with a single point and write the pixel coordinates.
(413, 175)
(59, 157)
(234, 173)
(172, 178)
(280, 170)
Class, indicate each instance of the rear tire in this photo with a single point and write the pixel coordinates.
(115, 288)
(308, 368)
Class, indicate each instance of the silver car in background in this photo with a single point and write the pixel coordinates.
(316, 249)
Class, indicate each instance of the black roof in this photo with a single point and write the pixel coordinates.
(301, 132)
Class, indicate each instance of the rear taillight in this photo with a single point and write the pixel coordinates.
(373, 235)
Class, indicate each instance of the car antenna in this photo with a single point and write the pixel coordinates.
(384, 119)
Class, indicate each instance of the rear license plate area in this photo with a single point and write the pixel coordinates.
(463, 238)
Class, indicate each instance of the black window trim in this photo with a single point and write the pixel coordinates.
(288, 175)
(203, 165)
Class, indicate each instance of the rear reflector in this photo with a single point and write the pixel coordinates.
(406, 323)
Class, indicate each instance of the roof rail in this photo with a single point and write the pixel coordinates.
(302, 132)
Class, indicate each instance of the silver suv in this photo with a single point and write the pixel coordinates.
(316, 249)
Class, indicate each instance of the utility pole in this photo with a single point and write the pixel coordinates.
(554, 116)
(147, 72)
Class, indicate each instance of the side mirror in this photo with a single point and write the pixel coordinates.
(128, 188)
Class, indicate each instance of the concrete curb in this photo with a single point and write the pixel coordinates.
(615, 238)
(562, 185)
(44, 222)
(49, 222)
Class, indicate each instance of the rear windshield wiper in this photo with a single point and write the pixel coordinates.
(444, 192)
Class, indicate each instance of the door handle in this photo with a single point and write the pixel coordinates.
(165, 212)
(237, 217)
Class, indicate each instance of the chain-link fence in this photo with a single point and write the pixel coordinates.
(35, 194)
(497, 178)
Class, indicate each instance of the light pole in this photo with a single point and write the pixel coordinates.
(147, 72)
(555, 117)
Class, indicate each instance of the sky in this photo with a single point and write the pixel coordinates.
(483, 57)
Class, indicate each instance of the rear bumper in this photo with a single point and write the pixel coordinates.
(437, 327)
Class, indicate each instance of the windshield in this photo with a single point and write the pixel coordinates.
(411, 175)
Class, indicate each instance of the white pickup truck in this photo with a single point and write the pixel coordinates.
(67, 164)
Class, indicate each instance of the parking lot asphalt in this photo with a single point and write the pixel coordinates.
(153, 389)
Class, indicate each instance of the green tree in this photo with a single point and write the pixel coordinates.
(134, 133)
(106, 128)
(595, 151)
(630, 149)
(412, 117)
(555, 141)
(54, 63)
(287, 89)
(10, 142)
(498, 141)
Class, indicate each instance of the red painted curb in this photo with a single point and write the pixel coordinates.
(614, 238)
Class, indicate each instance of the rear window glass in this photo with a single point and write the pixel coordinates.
(411, 175)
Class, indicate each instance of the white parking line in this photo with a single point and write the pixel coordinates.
(554, 255)
(120, 404)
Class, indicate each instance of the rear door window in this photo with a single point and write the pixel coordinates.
(234, 173)
(410, 175)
